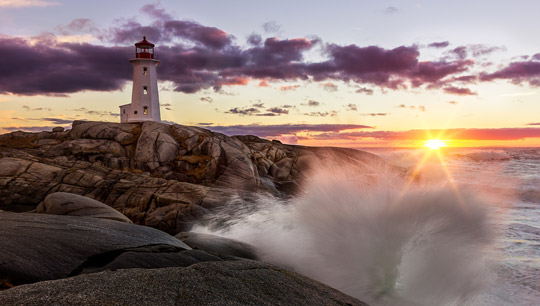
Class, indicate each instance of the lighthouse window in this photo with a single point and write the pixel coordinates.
(124, 111)
(135, 112)
(145, 110)
(145, 71)
(145, 90)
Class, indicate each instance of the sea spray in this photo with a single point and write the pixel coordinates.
(380, 238)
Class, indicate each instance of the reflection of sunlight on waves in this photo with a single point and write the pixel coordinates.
(385, 240)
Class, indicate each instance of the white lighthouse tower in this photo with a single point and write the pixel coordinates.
(145, 97)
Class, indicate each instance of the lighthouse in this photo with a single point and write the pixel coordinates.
(144, 104)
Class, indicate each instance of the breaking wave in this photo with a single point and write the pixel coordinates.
(381, 239)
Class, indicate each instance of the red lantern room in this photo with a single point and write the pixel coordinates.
(144, 49)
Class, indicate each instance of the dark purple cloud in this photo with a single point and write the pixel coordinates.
(278, 110)
(196, 57)
(517, 73)
(51, 68)
(440, 44)
(459, 91)
(473, 50)
(284, 129)
(166, 29)
(534, 123)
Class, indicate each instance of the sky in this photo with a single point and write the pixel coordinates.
(327, 73)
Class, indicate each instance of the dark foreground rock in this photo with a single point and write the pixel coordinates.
(37, 247)
(211, 283)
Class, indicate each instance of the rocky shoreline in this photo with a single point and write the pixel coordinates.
(88, 215)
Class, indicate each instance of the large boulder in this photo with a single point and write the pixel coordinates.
(218, 245)
(211, 283)
(37, 247)
(63, 203)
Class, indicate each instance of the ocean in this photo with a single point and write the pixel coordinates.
(465, 230)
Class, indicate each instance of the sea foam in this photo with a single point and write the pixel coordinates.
(378, 237)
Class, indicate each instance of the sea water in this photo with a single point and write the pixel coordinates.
(461, 228)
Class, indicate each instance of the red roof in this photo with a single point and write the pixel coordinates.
(144, 43)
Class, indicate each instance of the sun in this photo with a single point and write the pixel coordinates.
(434, 144)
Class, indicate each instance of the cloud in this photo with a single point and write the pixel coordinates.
(28, 108)
(366, 91)
(283, 129)
(288, 87)
(517, 73)
(207, 99)
(271, 27)
(459, 91)
(453, 102)
(351, 107)
(321, 114)
(391, 10)
(278, 110)
(474, 50)
(263, 84)
(51, 68)
(329, 86)
(81, 25)
(58, 121)
(312, 103)
(413, 107)
(376, 114)
(534, 123)
(250, 111)
(254, 39)
(440, 44)
(26, 3)
(98, 113)
(167, 29)
(200, 57)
